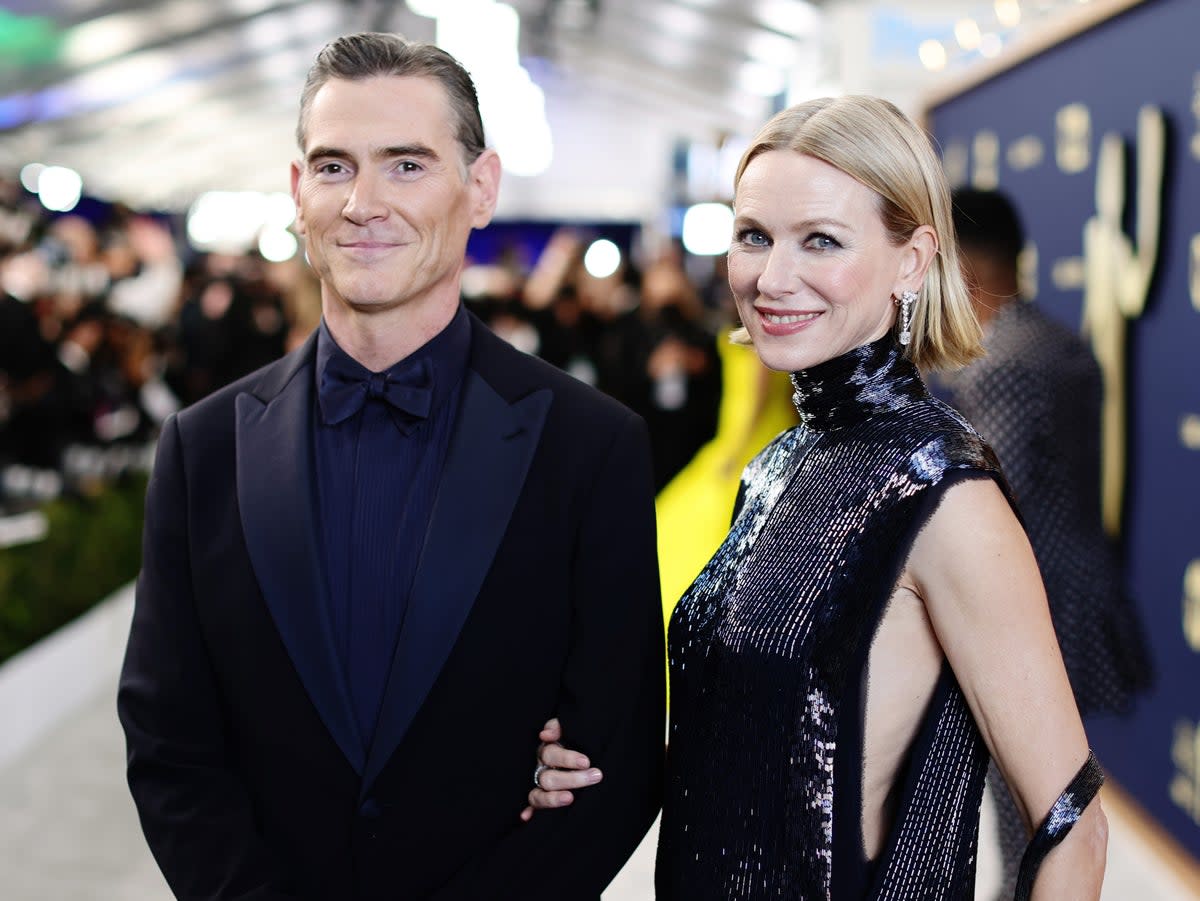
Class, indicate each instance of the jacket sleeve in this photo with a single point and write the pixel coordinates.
(1009, 403)
(194, 810)
(611, 704)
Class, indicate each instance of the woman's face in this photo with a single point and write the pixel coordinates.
(811, 267)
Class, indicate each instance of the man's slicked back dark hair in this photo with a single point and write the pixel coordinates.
(372, 53)
(987, 221)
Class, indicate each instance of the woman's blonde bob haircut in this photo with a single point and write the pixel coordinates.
(873, 142)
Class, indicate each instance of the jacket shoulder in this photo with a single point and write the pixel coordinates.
(216, 411)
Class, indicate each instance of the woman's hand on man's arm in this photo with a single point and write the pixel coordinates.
(559, 771)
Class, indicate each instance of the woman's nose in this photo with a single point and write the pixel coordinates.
(778, 277)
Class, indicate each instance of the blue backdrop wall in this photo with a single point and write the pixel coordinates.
(1049, 130)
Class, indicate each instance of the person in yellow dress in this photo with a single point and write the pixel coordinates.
(694, 508)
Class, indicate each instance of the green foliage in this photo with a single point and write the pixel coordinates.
(93, 547)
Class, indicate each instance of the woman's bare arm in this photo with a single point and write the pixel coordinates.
(973, 567)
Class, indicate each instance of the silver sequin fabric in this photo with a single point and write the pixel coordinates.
(768, 651)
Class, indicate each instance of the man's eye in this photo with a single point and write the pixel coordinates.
(330, 169)
(409, 166)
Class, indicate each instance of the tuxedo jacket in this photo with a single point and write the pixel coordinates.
(536, 595)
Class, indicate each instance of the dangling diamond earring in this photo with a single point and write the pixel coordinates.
(907, 299)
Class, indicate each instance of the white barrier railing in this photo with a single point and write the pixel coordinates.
(48, 681)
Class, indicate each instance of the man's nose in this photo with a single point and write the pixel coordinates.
(366, 199)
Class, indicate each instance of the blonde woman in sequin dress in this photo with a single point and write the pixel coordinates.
(874, 626)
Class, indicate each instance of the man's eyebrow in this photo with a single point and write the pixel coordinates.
(319, 152)
(421, 151)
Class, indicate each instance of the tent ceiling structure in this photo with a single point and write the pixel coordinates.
(156, 101)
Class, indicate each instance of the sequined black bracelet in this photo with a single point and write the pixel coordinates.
(1062, 817)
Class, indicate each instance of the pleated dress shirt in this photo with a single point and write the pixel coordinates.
(378, 465)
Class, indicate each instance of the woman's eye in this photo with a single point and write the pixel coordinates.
(822, 241)
(752, 237)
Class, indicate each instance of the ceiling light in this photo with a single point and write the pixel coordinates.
(966, 32)
(484, 36)
(933, 55)
(103, 38)
(514, 114)
(1008, 13)
(480, 34)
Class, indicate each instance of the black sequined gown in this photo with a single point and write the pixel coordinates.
(768, 652)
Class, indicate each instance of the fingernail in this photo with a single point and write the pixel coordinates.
(582, 763)
(594, 776)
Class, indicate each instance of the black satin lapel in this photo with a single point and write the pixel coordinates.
(485, 469)
(277, 500)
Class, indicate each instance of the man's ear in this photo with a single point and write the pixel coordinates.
(296, 196)
(484, 178)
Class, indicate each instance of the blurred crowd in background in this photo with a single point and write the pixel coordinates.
(110, 322)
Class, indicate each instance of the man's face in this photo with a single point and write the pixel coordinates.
(383, 198)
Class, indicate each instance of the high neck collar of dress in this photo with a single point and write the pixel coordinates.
(848, 389)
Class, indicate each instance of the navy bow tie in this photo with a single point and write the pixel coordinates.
(407, 387)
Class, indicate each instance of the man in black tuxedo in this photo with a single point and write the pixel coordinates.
(327, 692)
